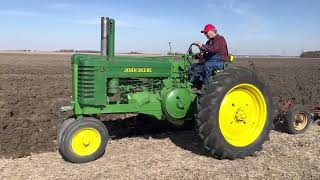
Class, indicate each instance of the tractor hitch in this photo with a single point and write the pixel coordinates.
(66, 108)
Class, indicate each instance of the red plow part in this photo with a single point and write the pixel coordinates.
(285, 105)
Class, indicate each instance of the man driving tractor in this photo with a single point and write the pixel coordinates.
(212, 56)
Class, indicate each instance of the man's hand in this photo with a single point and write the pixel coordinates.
(199, 56)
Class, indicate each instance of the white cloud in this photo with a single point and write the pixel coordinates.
(15, 12)
(127, 24)
(60, 6)
(96, 21)
(132, 22)
(12, 12)
(233, 6)
(93, 21)
(119, 23)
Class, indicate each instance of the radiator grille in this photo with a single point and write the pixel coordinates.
(86, 81)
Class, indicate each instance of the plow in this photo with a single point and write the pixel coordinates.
(295, 118)
(233, 113)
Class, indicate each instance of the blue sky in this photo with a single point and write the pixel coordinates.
(284, 27)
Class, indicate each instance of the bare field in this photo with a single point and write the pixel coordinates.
(34, 86)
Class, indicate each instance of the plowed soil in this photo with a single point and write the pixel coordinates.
(34, 87)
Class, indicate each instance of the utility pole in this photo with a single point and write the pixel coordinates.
(170, 52)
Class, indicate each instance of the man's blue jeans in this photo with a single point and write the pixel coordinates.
(202, 71)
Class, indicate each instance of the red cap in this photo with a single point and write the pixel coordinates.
(208, 27)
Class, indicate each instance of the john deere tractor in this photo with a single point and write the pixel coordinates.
(232, 113)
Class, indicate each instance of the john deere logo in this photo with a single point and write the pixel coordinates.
(137, 70)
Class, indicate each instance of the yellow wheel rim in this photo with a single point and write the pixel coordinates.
(300, 121)
(242, 115)
(86, 141)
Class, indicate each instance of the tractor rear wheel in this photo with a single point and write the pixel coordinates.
(83, 140)
(297, 119)
(234, 116)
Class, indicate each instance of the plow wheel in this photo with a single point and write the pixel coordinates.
(234, 114)
(82, 140)
(297, 119)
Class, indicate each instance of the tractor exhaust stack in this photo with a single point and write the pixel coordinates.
(107, 36)
(104, 35)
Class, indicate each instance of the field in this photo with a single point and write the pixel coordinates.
(33, 87)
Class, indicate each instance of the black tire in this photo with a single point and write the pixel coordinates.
(207, 118)
(290, 119)
(67, 133)
(62, 128)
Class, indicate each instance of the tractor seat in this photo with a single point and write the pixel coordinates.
(231, 59)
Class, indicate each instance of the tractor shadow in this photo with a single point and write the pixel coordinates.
(184, 137)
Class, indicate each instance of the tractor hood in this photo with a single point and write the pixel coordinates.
(127, 66)
(130, 66)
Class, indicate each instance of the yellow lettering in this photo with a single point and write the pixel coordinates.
(137, 70)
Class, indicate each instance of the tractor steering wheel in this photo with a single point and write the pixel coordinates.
(190, 54)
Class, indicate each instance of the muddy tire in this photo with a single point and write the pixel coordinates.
(234, 116)
(297, 119)
(83, 140)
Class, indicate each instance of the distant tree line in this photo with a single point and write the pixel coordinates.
(174, 53)
(134, 52)
(77, 51)
(310, 54)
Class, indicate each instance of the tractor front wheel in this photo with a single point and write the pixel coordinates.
(82, 140)
(234, 114)
(62, 128)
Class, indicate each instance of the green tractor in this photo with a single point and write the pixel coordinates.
(232, 113)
